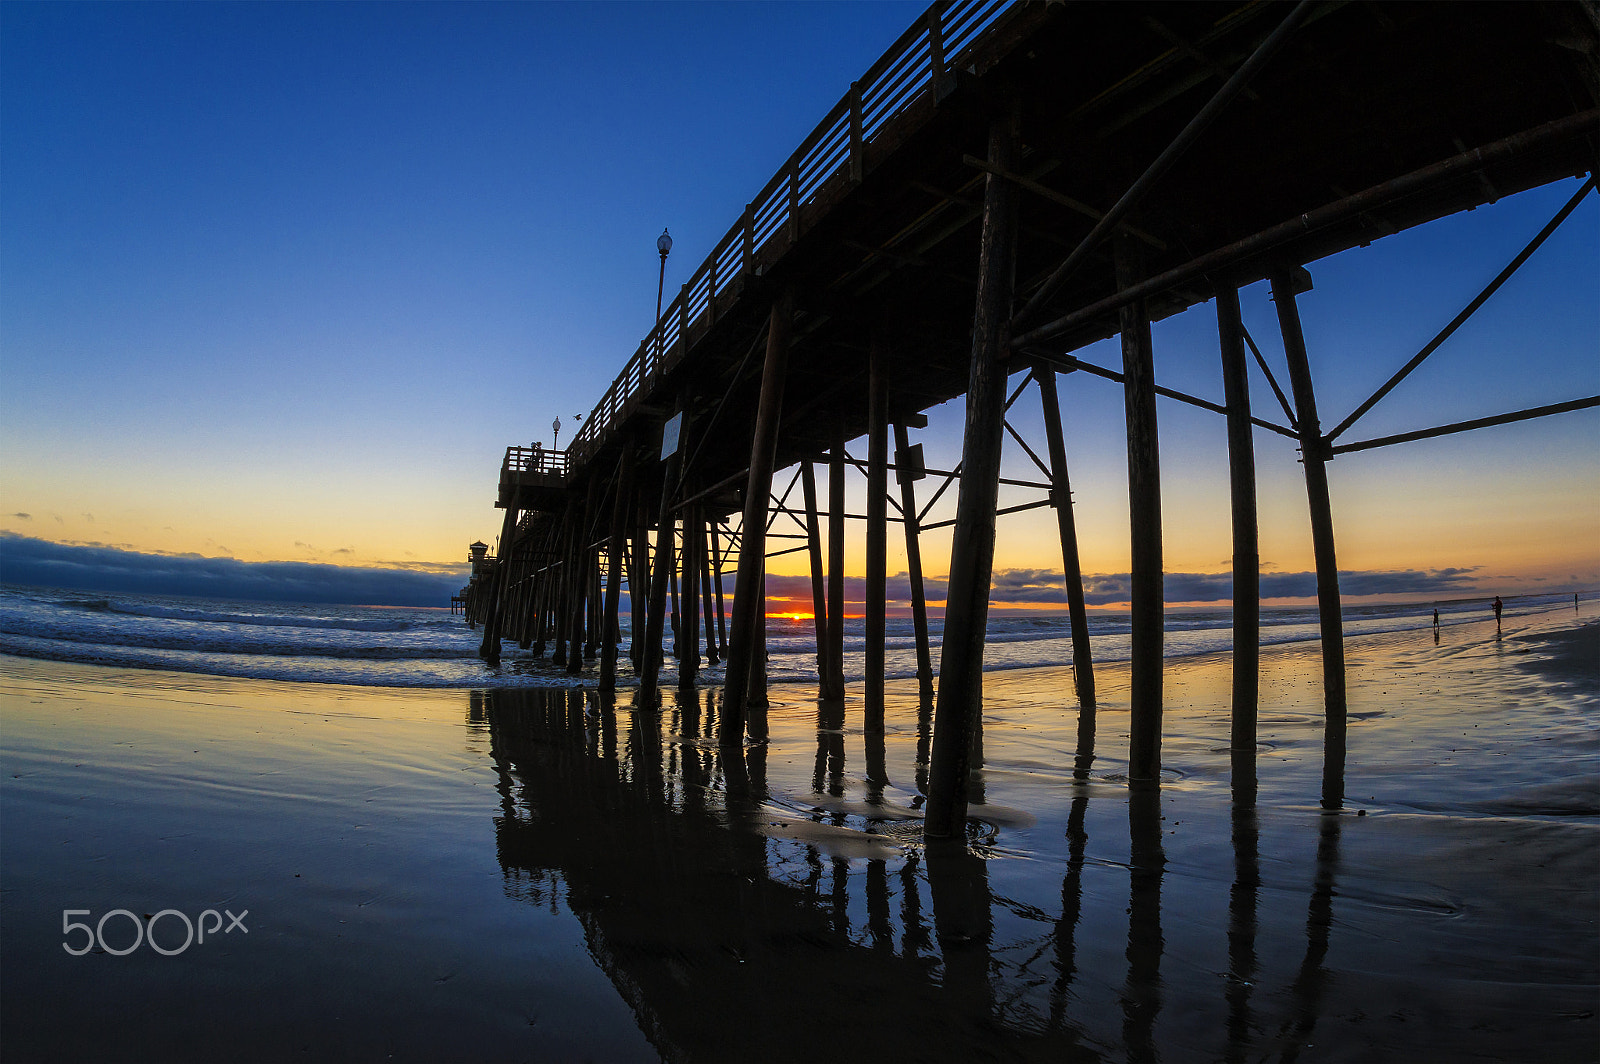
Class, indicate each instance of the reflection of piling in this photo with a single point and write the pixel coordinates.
(1141, 1002)
(1242, 903)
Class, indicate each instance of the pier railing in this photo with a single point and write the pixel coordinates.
(535, 460)
(918, 70)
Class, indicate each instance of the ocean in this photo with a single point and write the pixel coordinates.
(385, 646)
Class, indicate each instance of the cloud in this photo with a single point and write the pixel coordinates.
(1042, 586)
(100, 567)
(22, 516)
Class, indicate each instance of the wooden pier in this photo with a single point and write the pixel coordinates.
(1006, 185)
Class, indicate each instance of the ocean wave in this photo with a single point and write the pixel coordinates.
(250, 619)
(234, 644)
(460, 672)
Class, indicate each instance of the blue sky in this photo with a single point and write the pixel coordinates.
(279, 283)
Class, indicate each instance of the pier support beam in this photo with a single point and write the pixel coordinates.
(689, 624)
(716, 585)
(1314, 454)
(819, 595)
(1144, 518)
(960, 698)
(1066, 523)
(617, 549)
(660, 570)
(835, 684)
(1246, 546)
(580, 560)
(638, 580)
(708, 609)
(877, 535)
(563, 582)
(749, 600)
(919, 600)
(489, 650)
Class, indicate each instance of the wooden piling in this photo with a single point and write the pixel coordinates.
(835, 681)
(580, 559)
(673, 556)
(1067, 527)
(596, 605)
(756, 689)
(660, 570)
(489, 649)
(1314, 455)
(703, 568)
(1246, 542)
(618, 554)
(689, 630)
(717, 557)
(563, 581)
(960, 696)
(1144, 518)
(819, 596)
(638, 579)
(748, 591)
(877, 535)
(919, 599)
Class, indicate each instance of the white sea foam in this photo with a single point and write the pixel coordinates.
(407, 647)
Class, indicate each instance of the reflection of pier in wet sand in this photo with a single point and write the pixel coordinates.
(770, 907)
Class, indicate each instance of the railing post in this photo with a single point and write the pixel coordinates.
(794, 202)
(941, 79)
(683, 319)
(749, 241)
(857, 162)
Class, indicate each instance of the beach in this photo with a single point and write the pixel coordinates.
(532, 874)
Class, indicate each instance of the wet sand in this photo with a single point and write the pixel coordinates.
(445, 875)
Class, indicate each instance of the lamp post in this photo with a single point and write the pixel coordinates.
(663, 245)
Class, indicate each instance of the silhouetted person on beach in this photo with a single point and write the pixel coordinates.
(1436, 618)
(1498, 606)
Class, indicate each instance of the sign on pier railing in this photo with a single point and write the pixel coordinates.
(923, 60)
